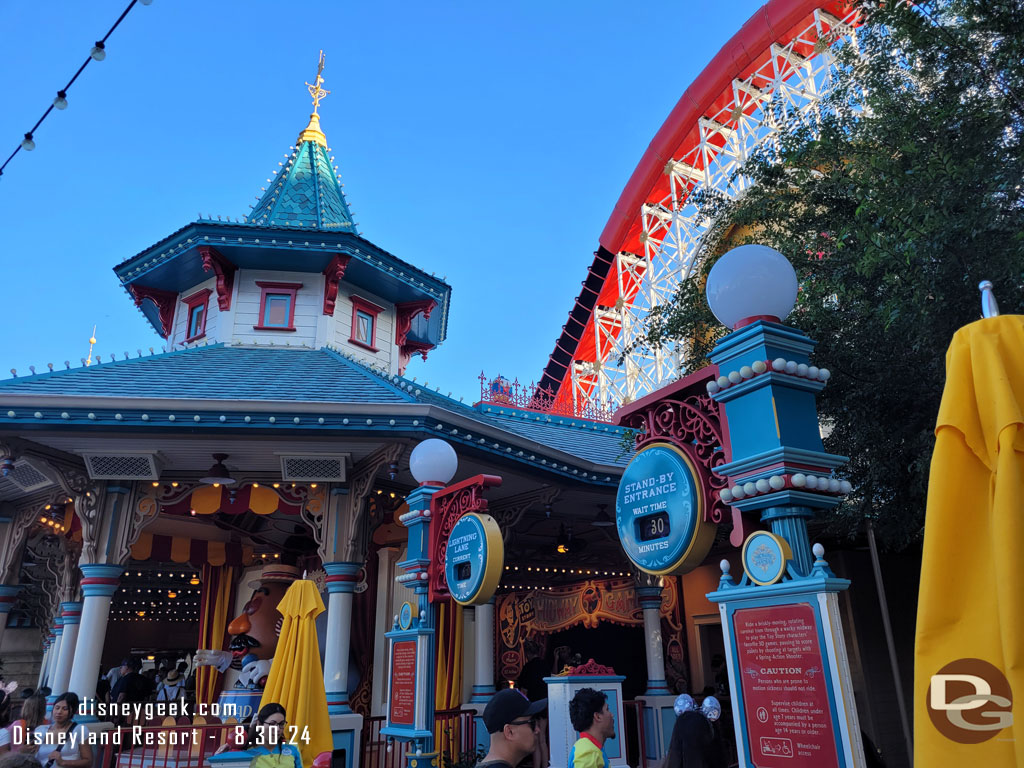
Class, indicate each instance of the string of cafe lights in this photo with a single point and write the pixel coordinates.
(567, 571)
(98, 53)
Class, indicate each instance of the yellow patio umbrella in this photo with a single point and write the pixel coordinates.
(969, 657)
(296, 679)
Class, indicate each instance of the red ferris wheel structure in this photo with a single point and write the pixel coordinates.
(773, 72)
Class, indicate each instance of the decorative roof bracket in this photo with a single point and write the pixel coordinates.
(163, 300)
(405, 313)
(334, 272)
(213, 261)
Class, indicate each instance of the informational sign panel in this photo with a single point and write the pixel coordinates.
(785, 687)
(403, 683)
(659, 512)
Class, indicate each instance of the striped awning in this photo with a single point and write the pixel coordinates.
(181, 549)
(208, 499)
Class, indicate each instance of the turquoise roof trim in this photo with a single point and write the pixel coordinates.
(306, 193)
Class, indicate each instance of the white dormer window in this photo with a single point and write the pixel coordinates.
(277, 306)
(197, 308)
(364, 323)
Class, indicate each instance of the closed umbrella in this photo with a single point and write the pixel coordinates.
(969, 656)
(296, 679)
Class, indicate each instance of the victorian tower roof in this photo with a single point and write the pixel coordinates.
(306, 192)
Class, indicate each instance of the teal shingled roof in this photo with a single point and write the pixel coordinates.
(305, 193)
(217, 372)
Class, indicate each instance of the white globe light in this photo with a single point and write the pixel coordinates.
(433, 461)
(752, 281)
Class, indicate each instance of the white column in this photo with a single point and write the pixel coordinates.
(99, 583)
(650, 601)
(468, 652)
(51, 664)
(341, 583)
(71, 613)
(42, 665)
(483, 687)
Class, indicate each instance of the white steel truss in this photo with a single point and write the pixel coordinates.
(784, 92)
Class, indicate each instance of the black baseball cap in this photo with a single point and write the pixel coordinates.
(507, 705)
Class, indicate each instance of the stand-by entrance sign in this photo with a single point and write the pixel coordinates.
(659, 512)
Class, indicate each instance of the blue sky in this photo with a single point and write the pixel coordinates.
(487, 142)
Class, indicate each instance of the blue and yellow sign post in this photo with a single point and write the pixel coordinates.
(792, 695)
(455, 553)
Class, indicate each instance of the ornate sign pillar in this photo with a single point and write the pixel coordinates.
(435, 552)
(792, 694)
(412, 647)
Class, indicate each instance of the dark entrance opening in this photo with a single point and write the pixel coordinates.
(618, 647)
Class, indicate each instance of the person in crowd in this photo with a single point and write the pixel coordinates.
(511, 722)
(102, 689)
(19, 760)
(268, 739)
(531, 681)
(589, 714)
(152, 682)
(131, 687)
(33, 714)
(63, 743)
(113, 675)
(694, 742)
(172, 688)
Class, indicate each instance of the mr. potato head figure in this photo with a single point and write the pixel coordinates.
(254, 632)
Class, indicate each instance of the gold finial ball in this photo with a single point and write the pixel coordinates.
(92, 339)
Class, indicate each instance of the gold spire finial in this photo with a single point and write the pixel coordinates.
(92, 341)
(313, 132)
(315, 90)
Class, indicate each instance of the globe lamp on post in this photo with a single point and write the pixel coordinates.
(433, 462)
(751, 283)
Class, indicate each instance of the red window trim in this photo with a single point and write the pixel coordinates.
(272, 287)
(191, 302)
(367, 306)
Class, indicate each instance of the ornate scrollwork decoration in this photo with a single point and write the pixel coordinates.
(10, 554)
(446, 507)
(86, 496)
(510, 511)
(314, 514)
(692, 421)
(143, 508)
(364, 474)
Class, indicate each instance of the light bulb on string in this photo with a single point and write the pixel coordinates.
(99, 51)
(27, 144)
(61, 102)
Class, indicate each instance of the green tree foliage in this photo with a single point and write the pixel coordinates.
(892, 208)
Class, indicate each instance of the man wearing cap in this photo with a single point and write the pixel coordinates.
(511, 721)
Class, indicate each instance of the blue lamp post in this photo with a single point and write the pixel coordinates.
(412, 642)
(789, 675)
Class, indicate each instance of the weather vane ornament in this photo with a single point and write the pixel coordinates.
(315, 90)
